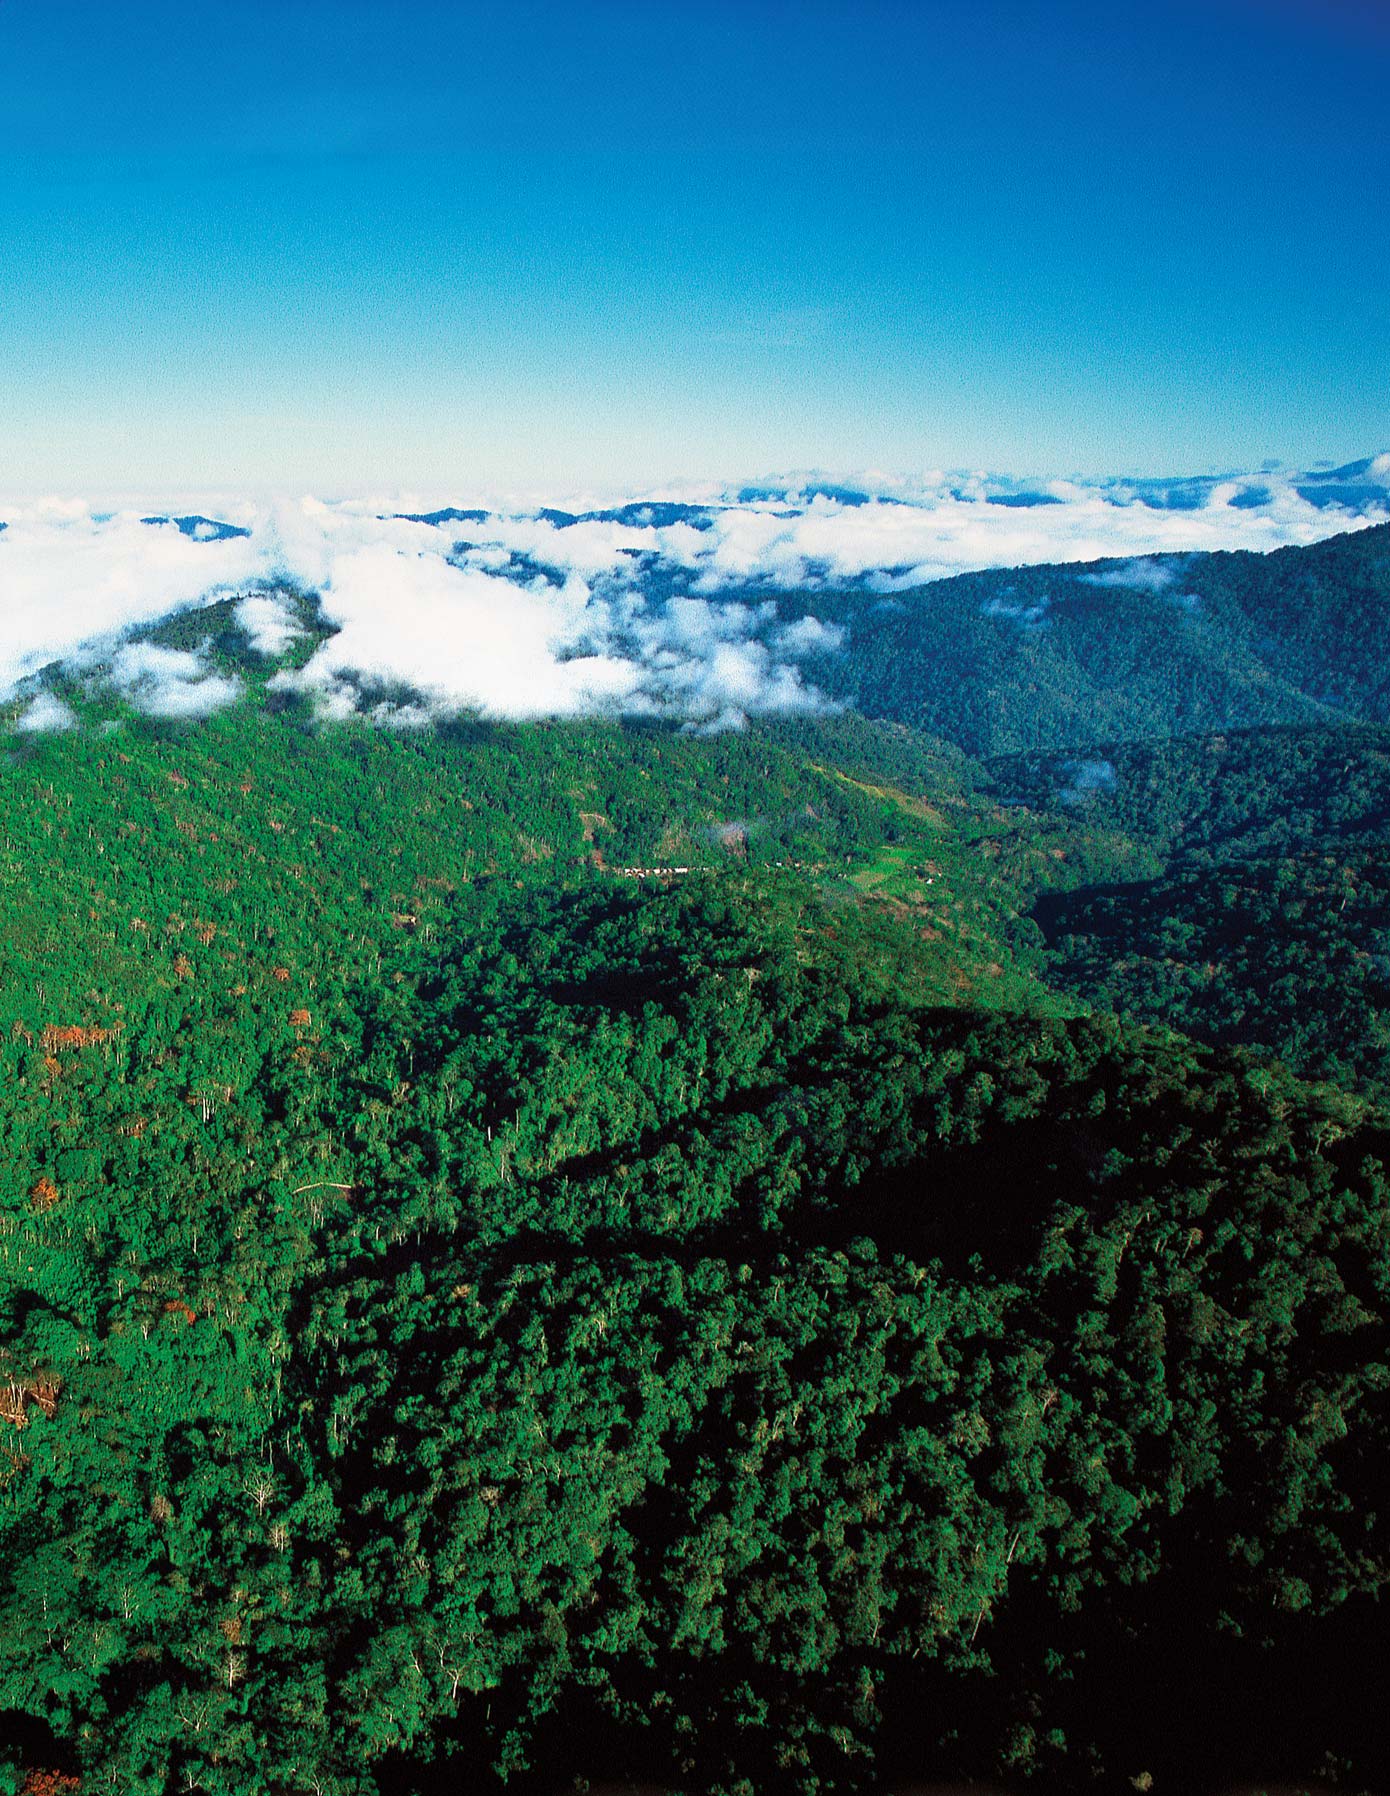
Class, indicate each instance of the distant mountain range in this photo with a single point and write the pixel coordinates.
(1359, 488)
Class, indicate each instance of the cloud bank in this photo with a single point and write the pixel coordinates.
(664, 605)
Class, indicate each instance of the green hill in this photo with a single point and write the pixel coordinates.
(1067, 656)
(1269, 925)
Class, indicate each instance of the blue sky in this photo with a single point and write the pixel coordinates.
(451, 247)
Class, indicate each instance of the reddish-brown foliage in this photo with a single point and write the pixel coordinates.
(300, 1019)
(48, 1783)
(72, 1035)
(43, 1194)
(177, 1307)
(280, 973)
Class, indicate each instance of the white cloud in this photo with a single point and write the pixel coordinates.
(808, 636)
(730, 681)
(464, 638)
(461, 637)
(45, 714)
(269, 623)
(69, 576)
(1086, 780)
(169, 682)
(1027, 614)
(1144, 575)
(944, 526)
(1147, 575)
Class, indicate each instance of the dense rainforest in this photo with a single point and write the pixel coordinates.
(782, 1262)
(1048, 658)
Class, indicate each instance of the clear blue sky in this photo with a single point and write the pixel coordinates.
(335, 245)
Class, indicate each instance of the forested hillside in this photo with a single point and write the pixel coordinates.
(1168, 645)
(1270, 925)
(779, 1261)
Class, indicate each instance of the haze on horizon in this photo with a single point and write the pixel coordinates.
(610, 245)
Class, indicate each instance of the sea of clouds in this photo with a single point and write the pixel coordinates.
(665, 605)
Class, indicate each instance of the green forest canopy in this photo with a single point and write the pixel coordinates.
(878, 1303)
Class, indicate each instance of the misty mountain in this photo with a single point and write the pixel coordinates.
(1361, 488)
(201, 529)
(722, 604)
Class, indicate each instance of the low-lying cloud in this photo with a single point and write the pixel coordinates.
(268, 625)
(45, 714)
(664, 606)
(169, 682)
(70, 576)
(1143, 575)
(1086, 780)
(459, 637)
(1028, 614)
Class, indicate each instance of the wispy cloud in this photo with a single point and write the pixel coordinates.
(169, 682)
(270, 626)
(44, 715)
(1086, 780)
(1144, 575)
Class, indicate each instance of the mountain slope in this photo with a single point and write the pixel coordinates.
(1067, 656)
(1269, 924)
(632, 1321)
